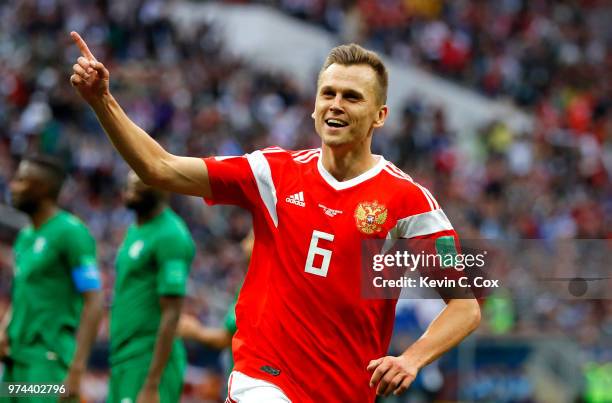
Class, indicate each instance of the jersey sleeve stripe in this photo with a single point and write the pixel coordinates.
(307, 156)
(432, 202)
(225, 157)
(422, 224)
(270, 150)
(390, 172)
(399, 171)
(433, 199)
(302, 152)
(431, 205)
(313, 156)
(396, 172)
(265, 184)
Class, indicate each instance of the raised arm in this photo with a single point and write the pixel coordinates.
(154, 165)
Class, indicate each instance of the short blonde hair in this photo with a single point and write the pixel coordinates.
(353, 54)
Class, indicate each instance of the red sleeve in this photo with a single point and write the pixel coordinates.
(231, 181)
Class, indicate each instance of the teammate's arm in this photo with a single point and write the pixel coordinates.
(91, 315)
(4, 341)
(457, 320)
(190, 328)
(154, 165)
(170, 313)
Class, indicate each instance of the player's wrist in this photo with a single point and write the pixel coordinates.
(99, 103)
(413, 360)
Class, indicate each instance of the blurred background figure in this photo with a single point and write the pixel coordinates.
(153, 263)
(56, 300)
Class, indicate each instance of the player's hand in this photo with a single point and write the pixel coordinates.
(188, 327)
(72, 383)
(89, 76)
(392, 374)
(4, 345)
(148, 394)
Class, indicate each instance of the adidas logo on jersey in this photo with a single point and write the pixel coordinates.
(297, 199)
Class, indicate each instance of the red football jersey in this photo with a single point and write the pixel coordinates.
(302, 323)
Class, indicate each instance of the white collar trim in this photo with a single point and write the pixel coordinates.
(333, 182)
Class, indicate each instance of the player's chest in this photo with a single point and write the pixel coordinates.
(36, 256)
(361, 213)
(135, 257)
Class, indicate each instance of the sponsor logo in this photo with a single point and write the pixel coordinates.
(135, 249)
(51, 355)
(297, 199)
(370, 217)
(39, 244)
(330, 211)
(270, 370)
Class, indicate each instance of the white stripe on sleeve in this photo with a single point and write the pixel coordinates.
(265, 184)
(422, 224)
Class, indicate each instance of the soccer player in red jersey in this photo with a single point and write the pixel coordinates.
(305, 333)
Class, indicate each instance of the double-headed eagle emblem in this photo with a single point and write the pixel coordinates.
(370, 216)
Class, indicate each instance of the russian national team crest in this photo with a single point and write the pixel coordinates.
(370, 217)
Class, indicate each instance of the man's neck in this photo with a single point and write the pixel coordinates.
(45, 211)
(146, 216)
(345, 165)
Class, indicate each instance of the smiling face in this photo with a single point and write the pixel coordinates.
(347, 108)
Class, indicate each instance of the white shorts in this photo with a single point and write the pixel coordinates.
(242, 388)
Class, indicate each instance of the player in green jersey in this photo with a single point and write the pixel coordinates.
(147, 360)
(56, 301)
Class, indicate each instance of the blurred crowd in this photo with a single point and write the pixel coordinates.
(553, 182)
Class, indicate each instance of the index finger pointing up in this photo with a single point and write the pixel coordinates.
(82, 46)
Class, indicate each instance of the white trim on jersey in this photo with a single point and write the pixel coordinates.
(265, 184)
(299, 153)
(370, 173)
(421, 224)
(398, 173)
(394, 169)
(274, 149)
(307, 156)
(432, 201)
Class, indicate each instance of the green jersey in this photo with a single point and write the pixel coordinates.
(153, 261)
(53, 265)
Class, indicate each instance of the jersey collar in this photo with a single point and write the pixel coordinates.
(333, 182)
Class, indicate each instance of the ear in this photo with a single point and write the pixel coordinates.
(383, 112)
(312, 115)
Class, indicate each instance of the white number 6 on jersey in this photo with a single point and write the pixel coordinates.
(314, 250)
